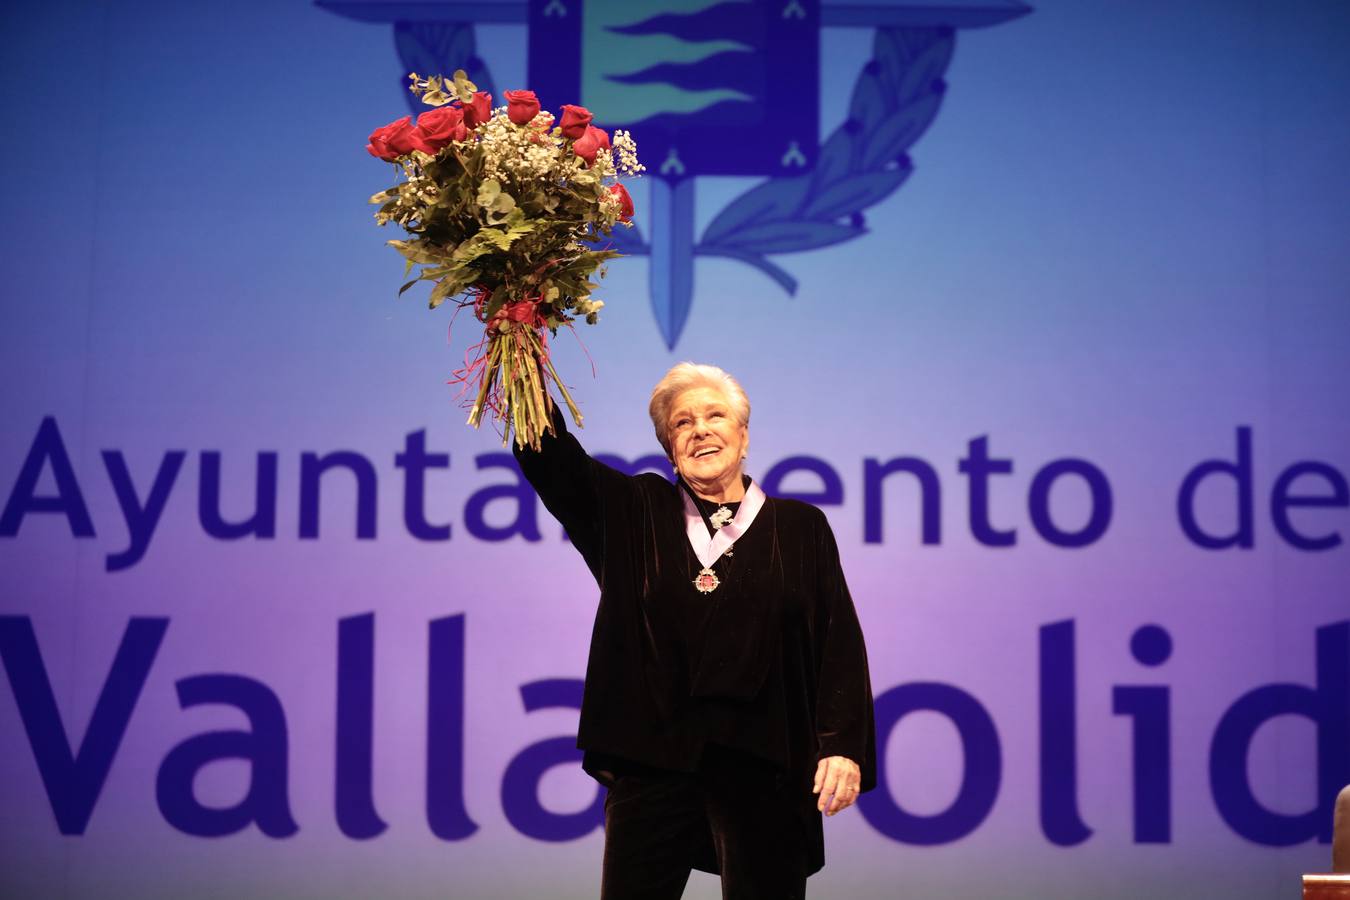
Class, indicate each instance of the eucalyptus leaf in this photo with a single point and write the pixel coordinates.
(415, 251)
(440, 292)
(464, 89)
(495, 304)
(488, 192)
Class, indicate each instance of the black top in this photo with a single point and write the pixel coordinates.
(771, 663)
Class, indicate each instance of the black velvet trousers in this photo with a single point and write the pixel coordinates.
(734, 814)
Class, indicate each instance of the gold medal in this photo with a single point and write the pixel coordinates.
(707, 581)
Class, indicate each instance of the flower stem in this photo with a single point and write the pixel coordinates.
(489, 373)
(562, 388)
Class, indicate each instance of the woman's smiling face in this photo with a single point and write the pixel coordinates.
(707, 443)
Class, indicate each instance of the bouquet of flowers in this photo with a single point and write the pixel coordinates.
(505, 209)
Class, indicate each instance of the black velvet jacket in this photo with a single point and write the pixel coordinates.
(772, 663)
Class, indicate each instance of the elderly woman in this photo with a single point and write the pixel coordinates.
(727, 701)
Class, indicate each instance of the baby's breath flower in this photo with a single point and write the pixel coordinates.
(626, 149)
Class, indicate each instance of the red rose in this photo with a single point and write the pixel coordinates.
(575, 119)
(521, 106)
(625, 201)
(478, 110)
(593, 140)
(393, 140)
(437, 128)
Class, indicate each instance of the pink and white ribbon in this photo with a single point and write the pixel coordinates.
(709, 548)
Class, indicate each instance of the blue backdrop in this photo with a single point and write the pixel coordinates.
(1046, 307)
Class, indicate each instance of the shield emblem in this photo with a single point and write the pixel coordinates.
(709, 87)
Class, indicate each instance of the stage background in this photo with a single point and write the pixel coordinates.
(1123, 242)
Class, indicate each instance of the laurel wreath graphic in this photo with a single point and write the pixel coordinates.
(864, 161)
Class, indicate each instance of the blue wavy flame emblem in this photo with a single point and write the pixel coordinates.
(676, 72)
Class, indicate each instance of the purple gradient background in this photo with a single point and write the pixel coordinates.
(1126, 236)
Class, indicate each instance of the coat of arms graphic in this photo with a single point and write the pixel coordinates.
(669, 69)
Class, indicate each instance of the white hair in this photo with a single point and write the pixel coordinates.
(688, 375)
